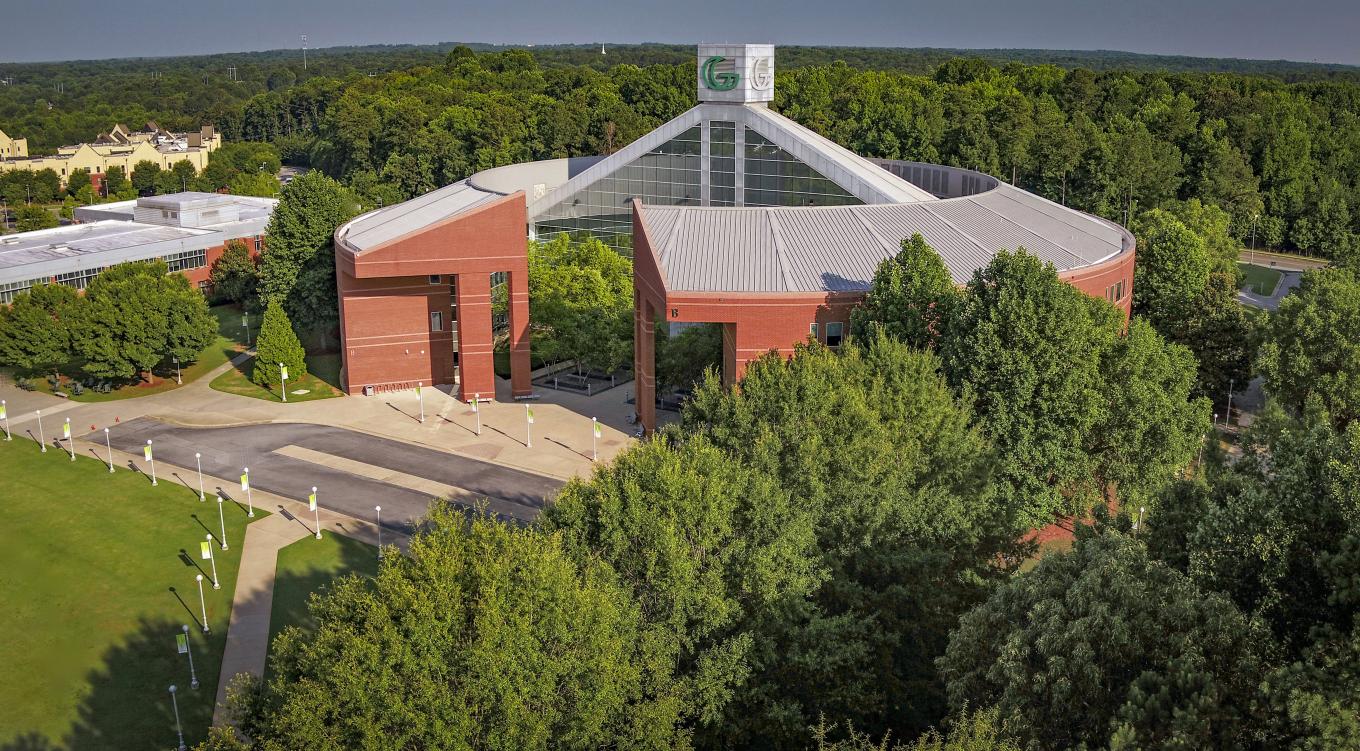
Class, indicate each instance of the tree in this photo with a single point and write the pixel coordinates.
(35, 329)
(276, 343)
(79, 178)
(29, 218)
(234, 274)
(254, 184)
(911, 299)
(683, 358)
(136, 316)
(485, 637)
(297, 268)
(890, 475)
(115, 181)
(1103, 647)
(1311, 345)
(144, 176)
(581, 302)
(971, 731)
(1172, 268)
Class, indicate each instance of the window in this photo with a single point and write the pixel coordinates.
(1115, 292)
(812, 331)
(259, 241)
(189, 259)
(437, 321)
(435, 279)
(834, 331)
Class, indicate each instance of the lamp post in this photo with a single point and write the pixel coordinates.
(245, 485)
(594, 439)
(178, 729)
(222, 522)
(1254, 218)
(109, 444)
(245, 324)
(477, 411)
(528, 427)
(198, 461)
(207, 552)
(202, 603)
(283, 378)
(311, 501)
(42, 439)
(70, 441)
(420, 397)
(4, 412)
(179, 376)
(378, 510)
(151, 459)
(188, 650)
(1227, 418)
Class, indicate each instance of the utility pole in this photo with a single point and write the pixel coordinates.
(304, 52)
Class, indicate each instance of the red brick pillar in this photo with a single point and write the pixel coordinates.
(518, 283)
(729, 362)
(644, 360)
(476, 370)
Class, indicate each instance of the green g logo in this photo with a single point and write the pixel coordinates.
(717, 80)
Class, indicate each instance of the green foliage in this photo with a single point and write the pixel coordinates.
(581, 302)
(1310, 346)
(29, 218)
(277, 343)
(1073, 403)
(682, 359)
(78, 179)
(36, 328)
(297, 267)
(1172, 268)
(971, 731)
(912, 297)
(417, 656)
(135, 316)
(895, 483)
(234, 274)
(115, 181)
(1104, 647)
(144, 176)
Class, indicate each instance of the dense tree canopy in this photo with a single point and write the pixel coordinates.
(1311, 345)
(581, 303)
(297, 268)
(912, 298)
(36, 328)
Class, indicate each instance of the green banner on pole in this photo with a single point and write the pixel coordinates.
(3, 412)
(530, 413)
(284, 371)
(205, 550)
(245, 482)
(66, 431)
(182, 643)
(311, 501)
(598, 433)
(146, 452)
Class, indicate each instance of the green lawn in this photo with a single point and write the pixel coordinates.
(321, 382)
(1259, 279)
(230, 342)
(97, 576)
(307, 566)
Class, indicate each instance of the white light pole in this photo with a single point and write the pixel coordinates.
(1254, 217)
(528, 427)
(477, 411)
(1215, 421)
(378, 510)
(189, 650)
(70, 441)
(283, 377)
(1227, 418)
(109, 444)
(245, 485)
(311, 501)
(4, 412)
(202, 603)
(198, 461)
(1139, 523)
(179, 730)
(420, 396)
(179, 375)
(594, 439)
(245, 324)
(151, 459)
(222, 521)
(42, 439)
(207, 553)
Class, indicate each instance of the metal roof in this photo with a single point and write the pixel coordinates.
(390, 222)
(838, 248)
(45, 253)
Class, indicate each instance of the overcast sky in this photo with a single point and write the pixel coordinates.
(1306, 30)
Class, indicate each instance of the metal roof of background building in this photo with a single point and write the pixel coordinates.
(383, 225)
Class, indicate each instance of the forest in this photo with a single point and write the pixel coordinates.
(1279, 150)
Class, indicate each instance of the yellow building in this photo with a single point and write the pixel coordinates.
(12, 148)
(119, 147)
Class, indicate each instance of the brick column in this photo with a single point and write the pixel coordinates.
(518, 284)
(477, 373)
(644, 360)
(729, 361)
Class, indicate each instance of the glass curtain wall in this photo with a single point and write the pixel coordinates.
(774, 177)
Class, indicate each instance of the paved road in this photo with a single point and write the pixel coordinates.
(510, 493)
(1288, 281)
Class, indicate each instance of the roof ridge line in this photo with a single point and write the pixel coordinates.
(777, 237)
(955, 227)
(1036, 235)
(887, 247)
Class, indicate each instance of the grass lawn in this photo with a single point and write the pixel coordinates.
(1259, 279)
(97, 576)
(321, 382)
(230, 342)
(307, 566)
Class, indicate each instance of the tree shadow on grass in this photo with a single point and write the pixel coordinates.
(126, 704)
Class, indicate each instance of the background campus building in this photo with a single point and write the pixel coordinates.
(119, 147)
(189, 231)
(734, 215)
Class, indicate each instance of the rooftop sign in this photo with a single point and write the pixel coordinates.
(736, 73)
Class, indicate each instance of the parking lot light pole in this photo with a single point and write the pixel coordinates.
(283, 378)
(198, 461)
(222, 521)
(420, 396)
(178, 729)
(189, 650)
(109, 444)
(378, 510)
(42, 439)
(179, 375)
(477, 411)
(4, 412)
(202, 603)
(151, 459)
(208, 553)
(245, 485)
(70, 440)
(311, 501)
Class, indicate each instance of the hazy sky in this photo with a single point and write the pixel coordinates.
(1307, 30)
